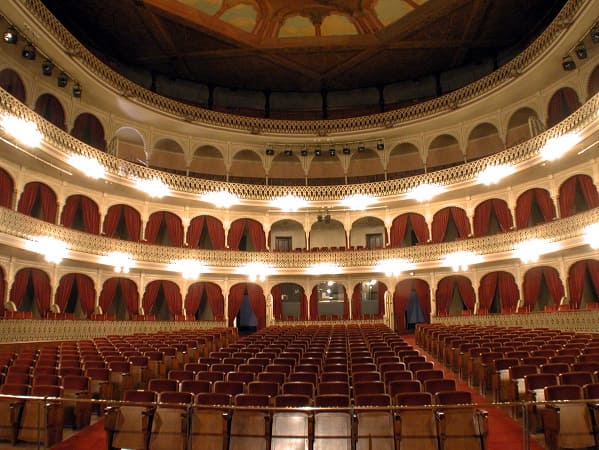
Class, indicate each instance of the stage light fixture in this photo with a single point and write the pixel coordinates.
(62, 80)
(10, 36)
(47, 67)
(28, 52)
(288, 152)
(270, 151)
(581, 51)
(361, 148)
(77, 90)
(346, 151)
(332, 152)
(568, 63)
(304, 152)
(595, 34)
(317, 152)
(380, 146)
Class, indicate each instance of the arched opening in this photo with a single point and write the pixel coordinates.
(7, 189)
(51, 109)
(89, 129)
(328, 301)
(562, 104)
(484, 140)
(30, 292)
(247, 235)
(542, 289)
(368, 300)
(450, 224)
(208, 162)
(328, 234)
(286, 170)
(119, 298)
(583, 284)
(206, 232)
(404, 161)
(289, 302)
(287, 235)
(11, 82)
(455, 296)
(39, 201)
(75, 295)
(409, 229)
(247, 307)
(168, 155)
(368, 232)
(205, 301)
(122, 222)
(498, 293)
(128, 144)
(164, 228)
(492, 216)
(443, 152)
(365, 167)
(578, 193)
(325, 169)
(411, 304)
(523, 125)
(244, 163)
(81, 213)
(533, 207)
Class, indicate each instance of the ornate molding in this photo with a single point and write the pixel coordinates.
(429, 108)
(16, 225)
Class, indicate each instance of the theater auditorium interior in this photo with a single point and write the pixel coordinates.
(318, 224)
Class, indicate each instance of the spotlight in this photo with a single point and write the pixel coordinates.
(10, 36)
(47, 67)
(62, 80)
(332, 152)
(304, 152)
(346, 151)
(270, 151)
(317, 152)
(28, 52)
(288, 152)
(77, 90)
(595, 34)
(568, 63)
(361, 148)
(380, 146)
(581, 51)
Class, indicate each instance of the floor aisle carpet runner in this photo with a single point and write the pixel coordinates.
(505, 433)
(90, 438)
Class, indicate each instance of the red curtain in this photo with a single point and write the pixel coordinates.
(256, 297)
(130, 295)
(466, 291)
(111, 220)
(153, 227)
(567, 194)
(256, 234)
(503, 214)
(215, 300)
(50, 109)
(194, 231)
(11, 82)
(443, 295)
(345, 305)
(173, 297)
(303, 306)
(150, 295)
(563, 103)
(193, 299)
(525, 202)
(2, 291)
(461, 221)
(508, 292)
(89, 213)
(87, 293)
(576, 279)
(234, 301)
(545, 204)
(314, 304)
(69, 210)
(41, 289)
(401, 297)
(439, 225)
(356, 302)
(132, 222)
(400, 225)
(423, 292)
(47, 199)
(6, 189)
(19, 286)
(235, 233)
(216, 232)
(108, 293)
(88, 129)
(482, 218)
(64, 290)
(532, 285)
(277, 306)
(174, 228)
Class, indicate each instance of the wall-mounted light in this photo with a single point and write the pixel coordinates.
(28, 52)
(47, 67)
(361, 148)
(595, 34)
(332, 152)
(304, 152)
(317, 152)
(77, 90)
(10, 36)
(581, 51)
(270, 151)
(380, 146)
(62, 80)
(288, 152)
(346, 150)
(568, 63)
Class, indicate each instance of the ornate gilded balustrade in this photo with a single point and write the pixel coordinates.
(24, 330)
(448, 102)
(90, 247)
(576, 320)
(59, 144)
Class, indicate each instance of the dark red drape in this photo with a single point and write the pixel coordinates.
(173, 297)
(47, 199)
(111, 220)
(6, 189)
(258, 302)
(19, 286)
(234, 301)
(87, 293)
(132, 222)
(356, 302)
(441, 220)
(88, 129)
(482, 216)
(381, 291)
(439, 225)
(256, 234)
(508, 292)
(108, 293)
(466, 291)
(303, 306)
(401, 297)
(576, 279)
(89, 213)
(563, 103)
(194, 231)
(235, 233)
(130, 295)
(153, 227)
(64, 290)
(345, 305)
(277, 306)
(41, 289)
(314, 304)
(216, 232)
(193, 299)
(150, 295)
(174, 228)
(525, 202)
(532, 285)
(215, 300)
(11, 82)
(50, 109)
(400, 225)
(567, 194)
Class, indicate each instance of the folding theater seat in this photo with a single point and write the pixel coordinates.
(159, 385)
(567, 425)
(462, 426)
(290, 428)
(195, 386)
(534, 385)
(209, 421)
(435, 385)
(332, 429)
(169, 422)
(42, 418)
(416, 428)
(501, 387)
(120, 378)
(375, 427)
(129, 425)
(250, 428)
(77, 413)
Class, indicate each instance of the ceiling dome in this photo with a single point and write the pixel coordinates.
(260, 57)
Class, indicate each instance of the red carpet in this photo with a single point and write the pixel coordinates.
(90, 438)
(505, 433)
